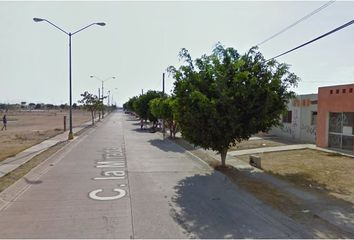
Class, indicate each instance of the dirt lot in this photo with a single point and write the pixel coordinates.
(264, 141)
(27, 128)
(325, 172)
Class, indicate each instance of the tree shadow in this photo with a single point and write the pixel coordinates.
(210, 206)
(166, 146)
(332, 215)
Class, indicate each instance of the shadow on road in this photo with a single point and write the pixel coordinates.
(166, 146)
(210, 206)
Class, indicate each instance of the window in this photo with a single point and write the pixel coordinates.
(337, 91)
(343, 90)
(331, 91)
(287, 117)
(351, 90)
(313, 118)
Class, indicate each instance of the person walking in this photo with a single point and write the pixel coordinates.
(4, 122)
(141, 123)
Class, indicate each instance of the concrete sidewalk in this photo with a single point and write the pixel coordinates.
(283, 148)
(334, 211)
(21, 158)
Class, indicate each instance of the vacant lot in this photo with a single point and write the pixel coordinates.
(325, 172)
(261, 141)
(27, 128)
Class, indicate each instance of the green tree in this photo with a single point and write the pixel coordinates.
(165, 108)
(226, 97)
(91, 103)
(141, 105)
(130, 104)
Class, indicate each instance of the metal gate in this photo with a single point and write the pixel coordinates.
(340, 132)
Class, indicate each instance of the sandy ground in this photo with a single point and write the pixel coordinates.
(27, 128)
(320, 171)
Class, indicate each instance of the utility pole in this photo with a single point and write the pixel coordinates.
(99, 113)
(163, 96)
(108, 96)
(102, 102)
(142, 91)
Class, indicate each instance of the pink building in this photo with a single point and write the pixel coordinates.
(335, 120)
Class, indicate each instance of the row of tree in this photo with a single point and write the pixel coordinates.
(37, 106)
(221, 99)
(94, 105)
(154, 105)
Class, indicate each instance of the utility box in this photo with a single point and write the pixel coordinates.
(255, 161)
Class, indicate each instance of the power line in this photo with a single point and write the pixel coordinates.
(313, 40)
(297, 22)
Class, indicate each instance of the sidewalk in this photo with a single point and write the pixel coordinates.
(282, 148)
(330, 210)
(21, 158)
(326, 208)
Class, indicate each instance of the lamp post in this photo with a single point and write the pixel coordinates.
(113, 101)
(102, 81)
(71, 136)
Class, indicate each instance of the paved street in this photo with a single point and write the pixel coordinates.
(116, 181)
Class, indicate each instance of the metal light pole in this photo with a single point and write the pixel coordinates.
(99, 79)
(113, 101)
(71, 136)
(163, 95)
(108, 96)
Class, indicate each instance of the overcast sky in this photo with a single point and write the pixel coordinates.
(141, 39)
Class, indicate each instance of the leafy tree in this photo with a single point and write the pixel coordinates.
(130, 104)
(165, 108)
(141, 105)
(64, 106)
(31, 105)
(91, 103)
(38, 106)
(226, 97)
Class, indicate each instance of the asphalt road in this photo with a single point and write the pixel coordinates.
(116, 181)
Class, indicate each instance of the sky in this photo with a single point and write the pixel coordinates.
(142, 38)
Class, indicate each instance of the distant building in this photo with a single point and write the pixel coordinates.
(300, 120)
(336, 117)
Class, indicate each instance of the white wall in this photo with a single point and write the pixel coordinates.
(300, 128)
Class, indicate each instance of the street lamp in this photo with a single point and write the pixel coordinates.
(71, 136)
(114, 92)
(99, 79)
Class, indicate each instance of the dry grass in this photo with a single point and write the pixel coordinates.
(288, 204)
(311, 169)
(265, 192)
(28, 128)
(197, 152)
(250, 144)
(21, 171)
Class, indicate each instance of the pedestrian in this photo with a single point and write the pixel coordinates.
(4, 122)
(141, 123)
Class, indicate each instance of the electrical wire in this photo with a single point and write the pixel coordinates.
(313, 40)
(297, 22)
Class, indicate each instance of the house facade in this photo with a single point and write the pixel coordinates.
(300, 120)
(336, 117)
